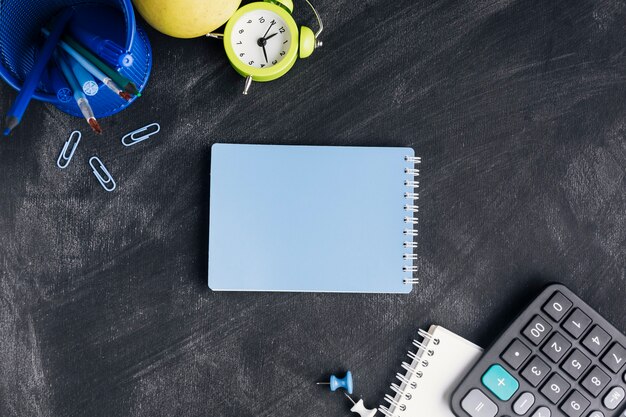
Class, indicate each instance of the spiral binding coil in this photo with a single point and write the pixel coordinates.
(411, 220)
(414, 370)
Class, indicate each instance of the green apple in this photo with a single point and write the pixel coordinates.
(186, 18)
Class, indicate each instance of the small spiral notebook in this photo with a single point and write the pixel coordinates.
(426, 384)
(312, 218)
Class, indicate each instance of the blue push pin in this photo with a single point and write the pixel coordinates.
(335, 383)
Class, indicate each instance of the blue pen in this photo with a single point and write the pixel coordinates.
(79, 96)
(84, 78)
(106, 49)
(15, 113)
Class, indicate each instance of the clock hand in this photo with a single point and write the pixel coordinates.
(268, 29)
(271, 36)
(265, 53)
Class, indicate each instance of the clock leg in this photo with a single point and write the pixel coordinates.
(247, 85)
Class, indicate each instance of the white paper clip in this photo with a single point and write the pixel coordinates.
(97, 170)
(64, 159)
(132, 138)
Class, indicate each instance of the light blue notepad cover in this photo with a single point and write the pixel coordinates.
(308, 218)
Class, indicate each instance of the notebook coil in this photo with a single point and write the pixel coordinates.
(411, 218)
(427, 336)
(414, 370)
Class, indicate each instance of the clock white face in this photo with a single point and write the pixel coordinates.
(260, 38)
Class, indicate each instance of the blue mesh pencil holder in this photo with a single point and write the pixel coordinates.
(20, 37)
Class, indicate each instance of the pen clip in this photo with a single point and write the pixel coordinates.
(134, 138)
(104, 182)
(64, 159)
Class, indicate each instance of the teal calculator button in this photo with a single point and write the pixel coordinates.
(500, 382)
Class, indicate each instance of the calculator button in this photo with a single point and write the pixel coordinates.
(555, 388)
(542, 412)
(596, 414)
(500, 382)
(556, 347)
(595, 381)
(614, 359)
(596, 340)
(575, 404)
(614, 398)
(516, 354)
(557, 306)
(523, 403)
(477, 404)
(537, 330)
(576, 364)
(536, 371)
(577, 323)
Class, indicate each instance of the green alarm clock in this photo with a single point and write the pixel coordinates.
(262, 40)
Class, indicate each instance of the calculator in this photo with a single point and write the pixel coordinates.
(559, 358)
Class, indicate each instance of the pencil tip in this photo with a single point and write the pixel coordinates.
(131, 88)
(95, 126)
(11, 123)
(125, 95)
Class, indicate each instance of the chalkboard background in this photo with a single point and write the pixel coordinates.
(517, 107)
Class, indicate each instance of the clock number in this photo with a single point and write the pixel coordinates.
(286, 40)
(250, 62)
(262, 65)
(281, 30)
(241, 54)
(261, 19)
(239, 43)
(273, 22)
(249, 21)
(274, 62)
(282, 53)
(240, 31)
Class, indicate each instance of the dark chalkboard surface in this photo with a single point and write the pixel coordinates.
(517, 107)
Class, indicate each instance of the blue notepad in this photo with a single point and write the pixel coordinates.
(312, 218)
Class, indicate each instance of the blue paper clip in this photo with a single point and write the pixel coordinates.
(64, 159)
(104, 182)
(134, 138)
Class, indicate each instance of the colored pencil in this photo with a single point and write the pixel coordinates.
(79, 96)
(122, 81)
(15, 113)
(91, 68)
